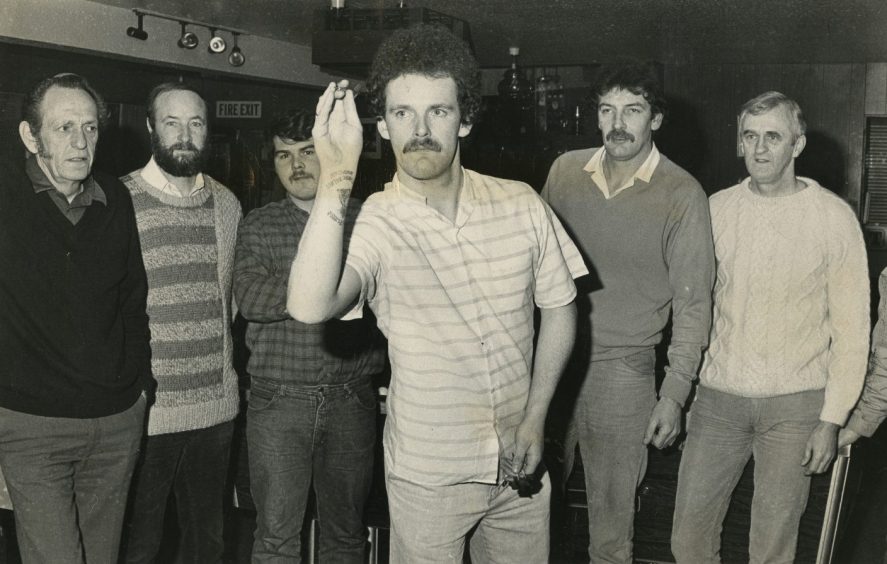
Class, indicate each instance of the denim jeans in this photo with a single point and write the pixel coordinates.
(723, 431)
(193, 465)
(68, 480)
(297, 435)
(429, 524)
(612, 413)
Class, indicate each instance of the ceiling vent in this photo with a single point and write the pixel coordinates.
(345, 40)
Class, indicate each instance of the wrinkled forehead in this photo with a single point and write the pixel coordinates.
(777, 118)
(622, 97)
(60, 103)
(179, 103)
(284, 144)
(421, 90)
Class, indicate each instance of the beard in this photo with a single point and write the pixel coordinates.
(183, 165)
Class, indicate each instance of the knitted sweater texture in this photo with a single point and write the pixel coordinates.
(791, 307)
(188, 247)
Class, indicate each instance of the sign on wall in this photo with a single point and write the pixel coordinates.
(238, 109)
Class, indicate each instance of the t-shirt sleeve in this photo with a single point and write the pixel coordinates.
(363, 252)
(559, 261)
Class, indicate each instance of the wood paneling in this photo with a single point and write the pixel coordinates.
(835, 99)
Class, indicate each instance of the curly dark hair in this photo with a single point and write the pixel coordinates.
(429, 50)
(31, 105)
(294, 125)
(638, 78)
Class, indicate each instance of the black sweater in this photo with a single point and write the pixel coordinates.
(73, 328)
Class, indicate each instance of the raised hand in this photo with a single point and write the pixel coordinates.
(337, 133)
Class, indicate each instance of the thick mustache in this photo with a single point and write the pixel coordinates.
(183, 146)
(617, 135)
(300, 175)
(425, 144)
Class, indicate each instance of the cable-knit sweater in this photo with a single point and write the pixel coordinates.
(188, 247)
(791, 301)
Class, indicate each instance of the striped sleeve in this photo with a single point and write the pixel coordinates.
(559, 262)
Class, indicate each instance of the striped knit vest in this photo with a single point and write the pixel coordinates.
(190, 335)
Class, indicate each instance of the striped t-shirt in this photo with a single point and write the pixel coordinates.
(456, 301)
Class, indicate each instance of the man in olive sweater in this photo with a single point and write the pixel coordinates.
(73, 332)
(642, 224)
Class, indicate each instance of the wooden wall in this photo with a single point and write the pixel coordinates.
(835, 98)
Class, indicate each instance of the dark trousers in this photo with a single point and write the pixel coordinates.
(193, 465)
(297, 434)
(68, 480)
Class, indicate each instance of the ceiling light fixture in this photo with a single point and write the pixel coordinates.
(189, 39)
(216, 44)
(137, 32)
(236, 58)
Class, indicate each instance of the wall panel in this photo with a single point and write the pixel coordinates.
(834, 97)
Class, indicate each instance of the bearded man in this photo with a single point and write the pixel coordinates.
(187, 223)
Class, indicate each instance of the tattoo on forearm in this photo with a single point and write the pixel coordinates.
(335, 217)
(342, 182)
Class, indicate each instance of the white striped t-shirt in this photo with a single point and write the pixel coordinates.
(456, 301)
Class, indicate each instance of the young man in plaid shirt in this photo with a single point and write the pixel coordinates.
(312, 408)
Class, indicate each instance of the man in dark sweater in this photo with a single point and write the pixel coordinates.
(73, 332)
(643, 225)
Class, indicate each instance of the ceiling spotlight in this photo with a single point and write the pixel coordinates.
(137, 32)
(188, 40)
(216, 44)
(236, 58)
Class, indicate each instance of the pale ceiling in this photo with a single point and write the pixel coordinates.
(589, 31)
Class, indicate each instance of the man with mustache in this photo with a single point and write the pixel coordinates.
(642, 222)
(312, 408)
(452, 263)
(188, 226)
(788, 348)
(73, 331)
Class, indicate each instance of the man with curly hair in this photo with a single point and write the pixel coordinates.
(452, 263)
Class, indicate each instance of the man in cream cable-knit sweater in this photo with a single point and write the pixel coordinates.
(188, 226)
(788, 346)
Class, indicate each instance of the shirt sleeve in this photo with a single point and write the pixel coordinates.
(691, 272)
(559, 261)
(872, 407)
(363, 253)
(259, 285)
(134, 303)
(848, 314)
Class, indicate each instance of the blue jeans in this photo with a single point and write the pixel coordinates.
(299, 434)
(194, 466)
(612, 413)
(723, 431)
(68, 480)
(429, 524)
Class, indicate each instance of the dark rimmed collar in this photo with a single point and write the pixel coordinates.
(89, 189)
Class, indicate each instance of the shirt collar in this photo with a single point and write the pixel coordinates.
(155, 177)
(467, 195)
(468, 191)
(89, 188)
(595, 166)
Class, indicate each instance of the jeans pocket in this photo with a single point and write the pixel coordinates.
(260, 397)
(643, 362)
(364, 396)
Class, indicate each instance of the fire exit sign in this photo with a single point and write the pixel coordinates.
(238, 109)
